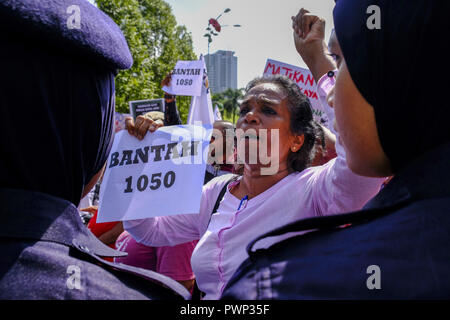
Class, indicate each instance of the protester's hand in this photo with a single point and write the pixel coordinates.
(309, 33)
(142, 125)
(91, 209)
(309, 40)
(166, 80)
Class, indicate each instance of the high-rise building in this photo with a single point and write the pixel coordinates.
(222, 70)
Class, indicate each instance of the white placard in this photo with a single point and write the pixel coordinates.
(161, 175)
(186, 79)
(305, 81)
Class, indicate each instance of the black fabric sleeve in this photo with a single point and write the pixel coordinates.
(172, 115)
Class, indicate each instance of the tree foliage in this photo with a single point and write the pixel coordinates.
(156, 43)
(228, 102)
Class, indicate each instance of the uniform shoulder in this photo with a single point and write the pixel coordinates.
(163, 286)
(50, 270)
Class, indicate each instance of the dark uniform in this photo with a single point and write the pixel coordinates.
(47, 253)
(57, 103)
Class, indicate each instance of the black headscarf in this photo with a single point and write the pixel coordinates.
(401, 70)
(56, 96)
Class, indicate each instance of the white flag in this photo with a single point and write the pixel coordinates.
(201, 107)
(217, 114)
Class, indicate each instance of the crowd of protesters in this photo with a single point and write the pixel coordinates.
(370, 192)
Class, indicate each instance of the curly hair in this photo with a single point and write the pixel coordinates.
(302, 122)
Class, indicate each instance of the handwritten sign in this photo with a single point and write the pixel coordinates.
(141, 107)
(158, 176)
(305, 81)
(186, 79)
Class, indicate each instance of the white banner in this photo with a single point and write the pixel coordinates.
(201, 109)
(158, 176)
(305, 82)
(186, 79)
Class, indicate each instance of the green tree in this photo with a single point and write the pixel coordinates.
(228, 102)
(156, 44)
(219, 100)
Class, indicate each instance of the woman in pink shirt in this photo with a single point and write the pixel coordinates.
(255, 203)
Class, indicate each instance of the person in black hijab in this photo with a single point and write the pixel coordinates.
(59, 60)
(392, 114)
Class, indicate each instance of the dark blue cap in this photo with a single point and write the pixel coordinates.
(73, 25)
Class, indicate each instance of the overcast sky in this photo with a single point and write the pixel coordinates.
(266, 30)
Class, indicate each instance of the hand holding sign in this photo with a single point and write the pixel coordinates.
(142, 125)
(166, 81)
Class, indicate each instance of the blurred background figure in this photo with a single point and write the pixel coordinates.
(222, 150)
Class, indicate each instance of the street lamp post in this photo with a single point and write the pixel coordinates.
(216, 27)
(213, 29)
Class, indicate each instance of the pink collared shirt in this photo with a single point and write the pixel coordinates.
(316, 191)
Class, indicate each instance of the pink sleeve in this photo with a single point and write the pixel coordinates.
(175, 262)
(177, 229)
(164, 231)
(334, 187)
(324, 86)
